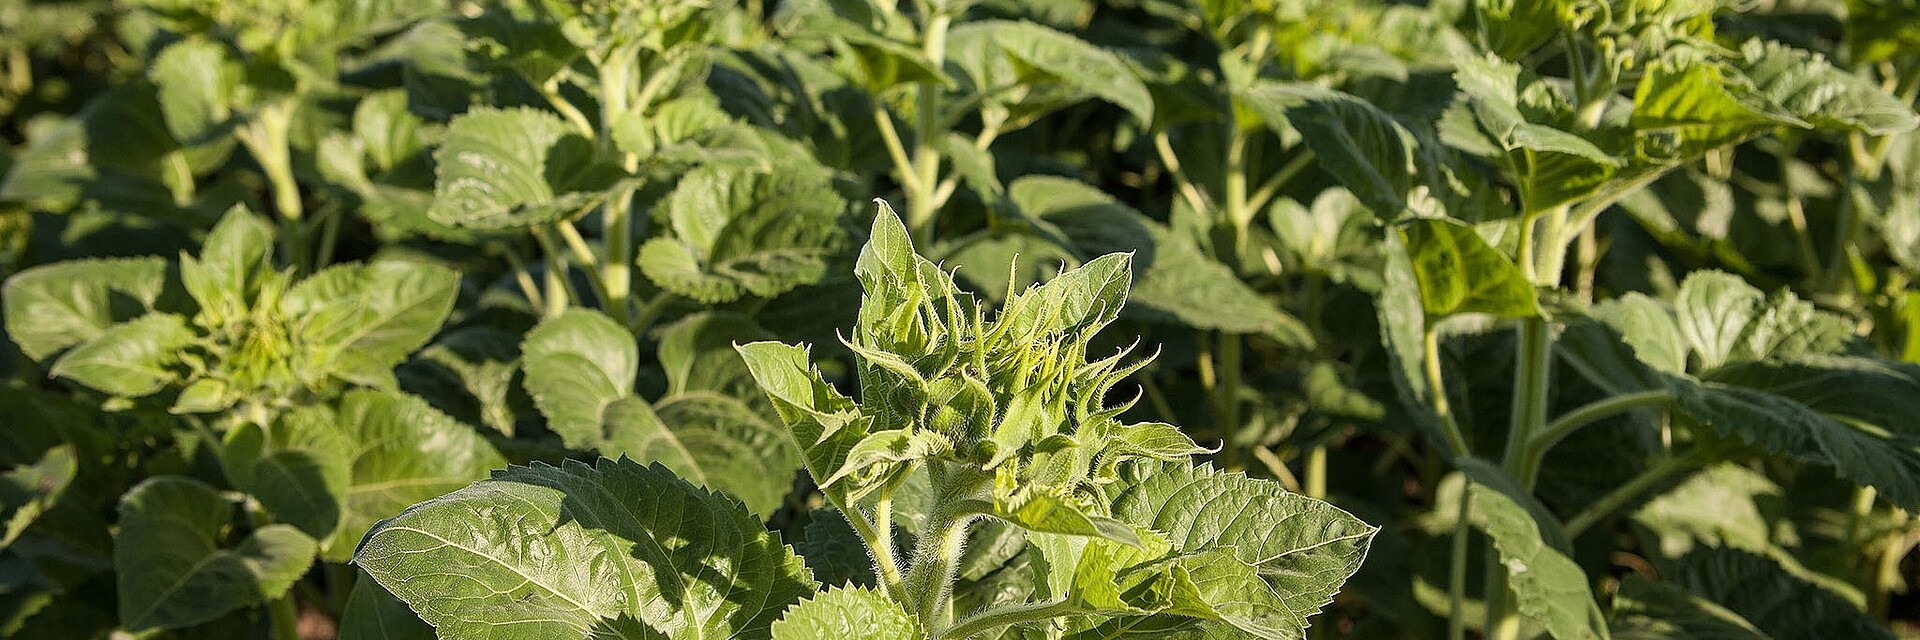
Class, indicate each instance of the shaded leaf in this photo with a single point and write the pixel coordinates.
(847, 613)
(170, 527)
(52, 307)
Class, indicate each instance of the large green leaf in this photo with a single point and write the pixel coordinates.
(1459, 273)
(1702, 104)
(1043, 55)
(1648, 610)
(1714, 308)
(1304, 548)
(177, 574)
(362, 320)
(509, 168)
(198, 83)
(614, 550)
(719, 442)
(130, 359)
(1782, 426)
(847, 613)
(53, 307)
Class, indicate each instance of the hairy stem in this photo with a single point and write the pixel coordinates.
(1007, 616)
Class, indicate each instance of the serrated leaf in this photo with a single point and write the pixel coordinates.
(510, 168)
(740, 230)
(1788, 428)
(614, 550)
(52, 307)
(1070, 60)
(889, 448)
(366, 318)
(846, 613)
(1200, 509)
(717, 442)
(131, 359)
(1805, 85)
(823, 423)
(1459, 273)
(169, 528)
(1704, 104)
(1041, 510)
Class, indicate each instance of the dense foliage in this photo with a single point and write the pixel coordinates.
(1200, 318)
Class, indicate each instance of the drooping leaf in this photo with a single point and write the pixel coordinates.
(1648, 610)
(130, 359)
(50, 308)
(1175, 282)
(170, 528)
(1459, 273)
(1703, 104)
(1044, 55)
(847, 613)
(1362, 146)
(1548, 586)
(614, 550)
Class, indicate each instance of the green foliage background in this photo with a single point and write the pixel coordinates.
(1603, 313)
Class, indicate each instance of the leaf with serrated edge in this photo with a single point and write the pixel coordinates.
(836, 614)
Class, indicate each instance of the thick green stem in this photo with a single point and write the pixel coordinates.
(265, 138)
(616, 274)
(922, 205)
(1532, 366)
(936, 557)
(1627, 493)
(1238, 217)
(557, 290)
(1226, 398)
(1007, 616)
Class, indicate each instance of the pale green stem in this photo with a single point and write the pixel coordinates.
(558, 291)
(551, 91)
(1164, 146)
(524, 278)
(1437, 386)
(1316, 472)
(1302, 157)
(1457, 568)
(616, 275)
(922, 207)
(886, 568)
(1594, 412)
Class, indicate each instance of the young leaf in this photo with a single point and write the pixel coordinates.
(28, 490)
(847, 613)
(52, 307)
(824, 424)
(1459, 273)
(223, 279)
(366, 318)
(131, 359)
(616, 549)
(178, 575)
(1806, 85)
(1714, 309)
(404, 452)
